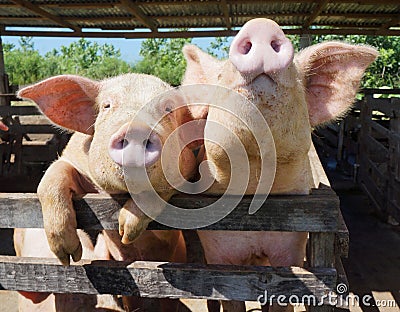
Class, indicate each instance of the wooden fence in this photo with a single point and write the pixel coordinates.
(379, 153)
(31, 143)
(366, 144)
(317, 213)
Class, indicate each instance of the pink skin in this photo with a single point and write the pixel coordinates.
(100, 114)
(293, 94)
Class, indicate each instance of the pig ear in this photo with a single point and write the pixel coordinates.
(200, 68)
(331, 74)
(67, 100)
(200, 65)
(182, 119)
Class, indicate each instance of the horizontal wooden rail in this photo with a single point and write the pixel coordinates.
(380, 91)
(35, 129)
(163, 280)
(318, 212)
(387, 106)
(19, 110)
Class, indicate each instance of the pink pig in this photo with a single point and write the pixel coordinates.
(100, 114)
(294, 93)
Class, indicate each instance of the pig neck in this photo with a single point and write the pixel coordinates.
(286, 113)
(292, 135)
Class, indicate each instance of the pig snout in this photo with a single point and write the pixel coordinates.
(135, 146)
(261, 47)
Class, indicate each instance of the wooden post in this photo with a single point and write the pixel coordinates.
(363, 152)
(322, 255)
(394, 161)
(305, 41)
(339, 155)
(3, 80)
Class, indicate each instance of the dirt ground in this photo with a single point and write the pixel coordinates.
(373, 265)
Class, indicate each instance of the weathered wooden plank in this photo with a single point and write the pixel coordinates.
(316, 212)
(342, 240)
(372, 194)
(394, 167)
(394, 209)
(380, 91)
(322, 254)
(342, 279)
(333, 126)
(163, 280)
(326, 148)
(384, 105)
(379, 128)
(329, 136)
(375, 147)
(340, 142)
(19, 110)
(377, 194)
(40, 152)
(35, 129)
(373, 170)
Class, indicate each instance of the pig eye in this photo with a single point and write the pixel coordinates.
(168, 109)
(107, 105)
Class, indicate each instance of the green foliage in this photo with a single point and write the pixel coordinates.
(7, 47)
(163, 58)
(25, 65)
(385, 71)
(88, 59)
(219, 47)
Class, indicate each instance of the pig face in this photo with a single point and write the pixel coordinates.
(103, 112)
(294, 93)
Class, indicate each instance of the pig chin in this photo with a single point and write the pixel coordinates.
(256, 88)
(110, 177)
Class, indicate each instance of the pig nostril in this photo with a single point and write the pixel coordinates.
(147, 143)
(245, 48)
(121, 144)
(276, 46)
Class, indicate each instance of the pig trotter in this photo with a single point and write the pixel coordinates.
(132, 222)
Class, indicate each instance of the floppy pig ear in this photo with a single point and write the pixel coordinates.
(67, 100)
(331, 75)
(188, 128)
(200, 68)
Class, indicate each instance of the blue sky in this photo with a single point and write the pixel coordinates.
(129, 47)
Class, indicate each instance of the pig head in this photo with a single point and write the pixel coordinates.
(101, 114)
(294, 93)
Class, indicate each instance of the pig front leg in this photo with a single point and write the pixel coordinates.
(59, 186)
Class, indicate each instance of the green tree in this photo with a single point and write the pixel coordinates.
(219, 47)
(385, 71)
(86, 58)
(23, 65)
(163, 58)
